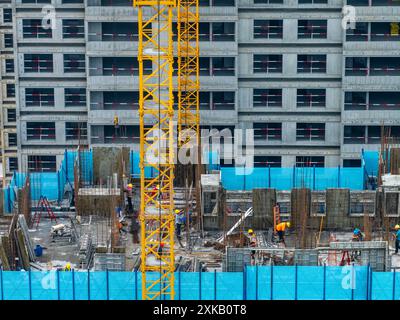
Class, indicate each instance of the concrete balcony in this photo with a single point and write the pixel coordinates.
(218, 117)
(228, 83)
(111, 14)
(386, 83)
(116, 83)
(130, 48)
(216, 13)
(289, 4)
(112, 48)
(380, 14)
(371, 117)
(371, 48)
(106, 117)
(298, 144)
(127, 83)
(354, 150)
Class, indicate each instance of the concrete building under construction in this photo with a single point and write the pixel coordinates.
(102, 205)
(313, 92)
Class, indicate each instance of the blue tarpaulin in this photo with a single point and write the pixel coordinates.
(289, 178)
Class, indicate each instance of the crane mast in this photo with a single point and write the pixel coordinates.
(188, 72)
(155, 56)
(156, 114)
(188, 91)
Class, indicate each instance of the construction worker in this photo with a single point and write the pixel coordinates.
(253, 238)
(397, 235)
(253, 244)
(357, 235)
(129, 190)
(160, 249)
(121, 224)
(179, 221)
(67, 267)
(280, 229)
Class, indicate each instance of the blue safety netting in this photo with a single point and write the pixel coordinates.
(254, 283)
(288, 178)
(370, 161)
(51, 184)
(134, 157)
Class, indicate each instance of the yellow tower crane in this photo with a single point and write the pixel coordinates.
(188, 73)
(156, 148)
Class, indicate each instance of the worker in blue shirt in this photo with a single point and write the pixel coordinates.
(397, 235)
(179, 222)
(357, 235)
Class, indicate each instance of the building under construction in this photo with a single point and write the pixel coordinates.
(182, 214)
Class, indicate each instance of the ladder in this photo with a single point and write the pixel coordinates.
(44, 206)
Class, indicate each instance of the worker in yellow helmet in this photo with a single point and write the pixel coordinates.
(280, 229)
(397, 236)
(116, 122)
(253, 243)
(67, 267)
(129, 193)
(253, 238)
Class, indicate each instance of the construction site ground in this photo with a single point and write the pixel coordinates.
(204, 253)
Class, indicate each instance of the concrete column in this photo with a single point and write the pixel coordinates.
(263, 202)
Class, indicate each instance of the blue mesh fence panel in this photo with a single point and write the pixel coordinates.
(16, 285)
(258, 178)
(352, 178)
(397, 286)
(371, 159)
(360, 286)
(98, 285)
(213, 160)
(326, 178)
(190, 286)
(250, 279)
(122, 285)
(281, 178)
(49, 185)
(284, 283)
(65, 281)
(135, 169)
(81, 286)
(44, 285)
(52, 285)
(207, 286)
(263, 284)
(382, 286)
(338, 284)
(229, 285)
(310, 283)
(288, 178)
(304, 178)
(230, 181)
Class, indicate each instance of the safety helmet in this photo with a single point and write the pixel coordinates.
(68, 265)
(356, 231)
(397, 227)
(250, 231)
(161, 244)
(130, 185)
(288, 224)
(177, 211)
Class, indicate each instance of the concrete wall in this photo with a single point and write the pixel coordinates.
(337, 210)
(107, 161)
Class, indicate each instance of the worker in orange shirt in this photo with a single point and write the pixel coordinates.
(280, 229)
